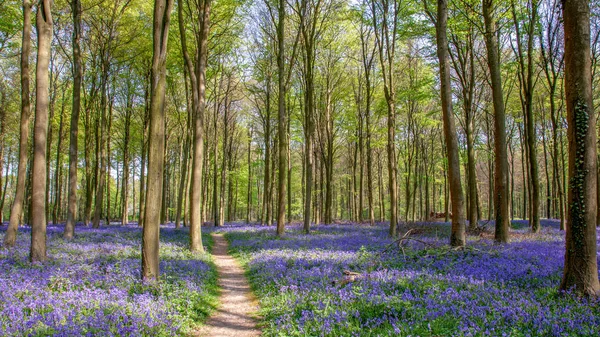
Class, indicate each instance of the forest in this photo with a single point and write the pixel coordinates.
(299, 167)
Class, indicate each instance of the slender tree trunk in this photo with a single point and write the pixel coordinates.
(547, 173)
(361, 168)
(457, 238)
(526, 81)
(309, 122)
(215, 165)
(282, 121)
(289, 168)
(58, 173)
(74, 134)
(53, 90)
(367, 59)
(225, 158)
(472, 175)
(381, 191)
(501, 169)
(89, 169)
(199, 96)
(249, 193)
(38, 221)
(183, 178)
(6, 181)
(108, 166)
(386, 34)
(165, 183)
(125, 188)
(3, 159)
(150, 236)
(17, 207)
(101, 146)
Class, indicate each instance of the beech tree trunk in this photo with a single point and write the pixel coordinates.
(125, 182)
(282, 121)
(457, 237)
(17, 207)
(156, 141)
(385, 23)
(197, 74)
(581, 266)
(501, 197)
(58, 174)
(40, 129)
(74, 134)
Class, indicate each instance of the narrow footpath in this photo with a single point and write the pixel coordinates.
(235, 316)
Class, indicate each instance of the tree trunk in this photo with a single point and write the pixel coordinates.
(501, 161)
(38, 221)
(386, 35)
(526, 79)
(249, 192)
(457, 237)
(17, 207)
(58, 173)
(101, 146)
(125, 182)
(183, 177)
(581, 267)
(74, 134)
(150, 237)
(198, 80)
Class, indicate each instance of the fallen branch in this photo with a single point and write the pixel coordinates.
(349, 277)
(401, 242)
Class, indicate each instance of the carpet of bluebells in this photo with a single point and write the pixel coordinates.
(422, 289)
(90, 286)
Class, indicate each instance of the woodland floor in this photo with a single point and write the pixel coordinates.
(421, 287)
(91, 285)
(236, 313)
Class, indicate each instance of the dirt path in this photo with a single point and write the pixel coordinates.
(237, 305)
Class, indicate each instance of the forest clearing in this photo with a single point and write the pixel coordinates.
(299, 167)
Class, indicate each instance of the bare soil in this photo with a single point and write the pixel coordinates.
(238, 307)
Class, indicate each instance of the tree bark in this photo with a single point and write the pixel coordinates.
(74, 134)
(581, 267)
(249, 192)
(150, 236)
(525, 61)
(368, 56)
(457, 237)
(198, 83)
(17, 207)
(58, 174)
(38, 220)
(282, 121)
(385, 35)
(501, 162)
(101, 162)
(125, 182)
